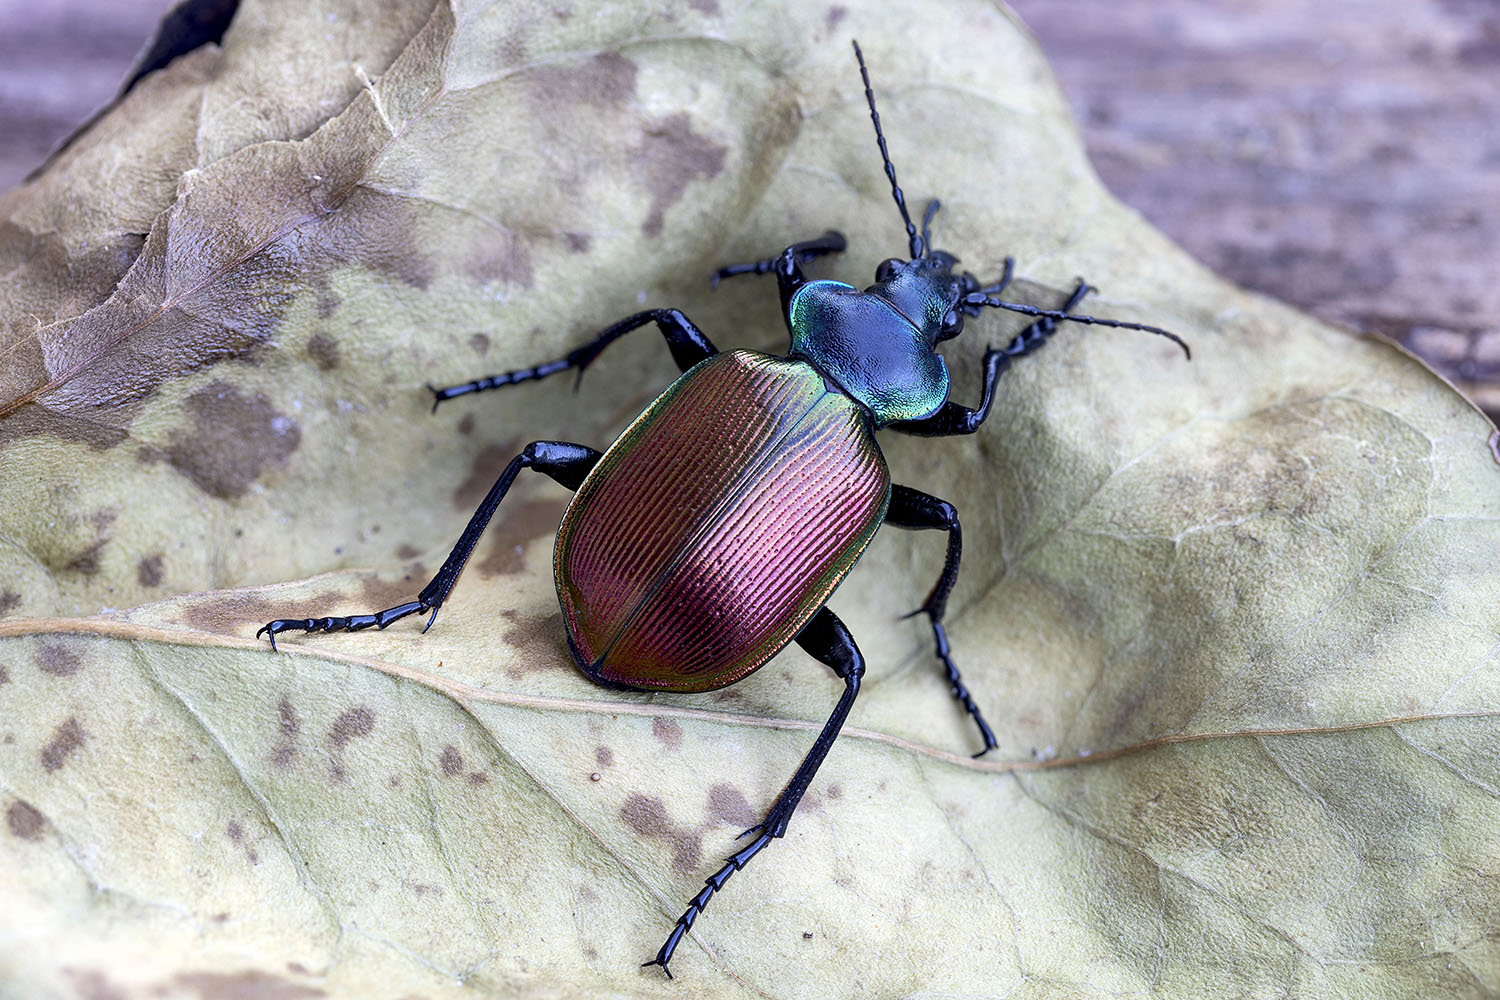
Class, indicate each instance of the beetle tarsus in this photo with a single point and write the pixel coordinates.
(351, 623)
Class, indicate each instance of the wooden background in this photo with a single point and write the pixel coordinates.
(1342, 155)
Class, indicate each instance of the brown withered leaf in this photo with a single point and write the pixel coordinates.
(1234, 620)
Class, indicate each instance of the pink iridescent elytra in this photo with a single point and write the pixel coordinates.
(717, 525)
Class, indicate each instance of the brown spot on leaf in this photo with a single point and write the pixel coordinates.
(835, 791)
(480, 342)
(578, 242)
(375, 593)
(324, 351)
(233, 438)
(248, 985)
(604, 756)
(327, 300)
(451, 761)
(228, 613)
(667, 733)
(648, 817)
(24, 821)
(237, 835)
(286, 718)
(4, 674)
(506, 259)
(709, 7)
(289, 725)
(730, 805)
(483, 471)
(477, 778)
(355, 722)
(58, 660)
(513, 528)
(466, 424)
(87, 561)
(66, 740)
(836, 15)
(540, 643)
(148, 571)
(406, 550)
(606, 79)
(9, 601)
(670, 155)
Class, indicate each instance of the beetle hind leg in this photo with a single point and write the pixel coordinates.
(827, 639)
(916, 510)
(566, 463)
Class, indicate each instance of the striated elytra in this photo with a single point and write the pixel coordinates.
(712, 532)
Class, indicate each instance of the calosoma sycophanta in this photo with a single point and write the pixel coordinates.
(712, 532)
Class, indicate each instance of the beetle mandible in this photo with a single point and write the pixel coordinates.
(775, 482)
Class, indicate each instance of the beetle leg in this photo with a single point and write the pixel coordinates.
(955, 418)
(788, 261)
(567, 463)
(825, 638)
(914, 509)
(687, 343)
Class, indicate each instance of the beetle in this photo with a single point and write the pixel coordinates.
(712, 532)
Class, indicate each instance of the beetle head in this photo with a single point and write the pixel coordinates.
(926, 291)
(924, 288)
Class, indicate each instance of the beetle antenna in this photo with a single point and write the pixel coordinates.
(913, 238)
(980, 299)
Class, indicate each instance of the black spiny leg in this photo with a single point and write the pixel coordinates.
(687, 343)
(787, 265)
(915, 510)
(564, 462)
(825, 638)
(955, 418)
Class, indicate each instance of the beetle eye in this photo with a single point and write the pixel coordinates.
(953, 325)
(887, 270)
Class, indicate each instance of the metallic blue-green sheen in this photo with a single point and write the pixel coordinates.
(877, 354)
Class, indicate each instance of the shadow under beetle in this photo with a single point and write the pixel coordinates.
(713, 531)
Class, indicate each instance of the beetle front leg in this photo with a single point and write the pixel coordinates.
(827, 639)
(787, 265)
(916, 510)
(955, 418)
(566, 463)
(686, 342)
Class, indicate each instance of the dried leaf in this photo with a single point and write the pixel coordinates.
(1234, 620)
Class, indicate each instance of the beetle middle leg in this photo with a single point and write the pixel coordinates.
(566, 463)
(686, 342)
(827, 639)
(915, 510)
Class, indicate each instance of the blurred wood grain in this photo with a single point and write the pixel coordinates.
(1343, 156)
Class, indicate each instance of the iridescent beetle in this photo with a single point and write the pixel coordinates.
(713, 531)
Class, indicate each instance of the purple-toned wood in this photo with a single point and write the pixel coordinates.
(717, 525)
